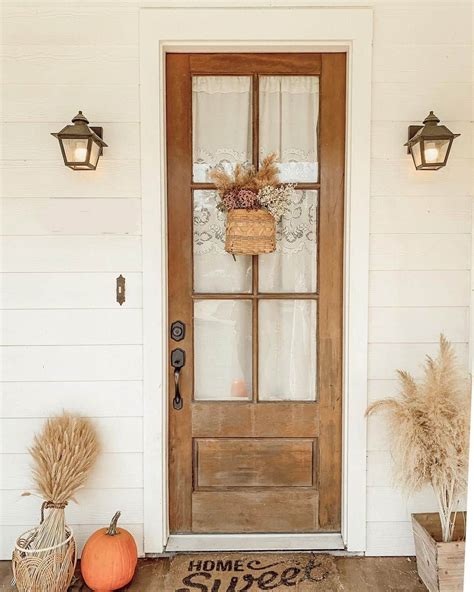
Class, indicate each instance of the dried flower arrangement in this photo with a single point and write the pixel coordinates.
(254, 201)
(63, 455)
(429, 427)
(250, 189)
(276, 199)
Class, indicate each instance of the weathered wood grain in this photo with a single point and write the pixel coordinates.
(330, 282)
(245, 420)
(440, 565)
(180, 283)
(249, 462)
(257, 419)
(275, 510)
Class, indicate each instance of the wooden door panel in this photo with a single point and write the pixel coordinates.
(253, 462)
(331, 240)
(264, 63)
(179, 163)
(274, 510)
(257, 466)
(247, 420)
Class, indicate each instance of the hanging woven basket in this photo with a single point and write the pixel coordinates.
(250, 232)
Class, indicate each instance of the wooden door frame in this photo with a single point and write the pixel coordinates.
(317, 30)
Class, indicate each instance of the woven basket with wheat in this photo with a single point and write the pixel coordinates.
(44, 557)
(255, 202)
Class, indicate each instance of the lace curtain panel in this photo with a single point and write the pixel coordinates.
(288, 112)
(222, 124)
(222, 135)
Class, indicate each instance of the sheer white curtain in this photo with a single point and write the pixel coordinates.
(222, 349)
(222, 135)
(288, 113)
(222, 123)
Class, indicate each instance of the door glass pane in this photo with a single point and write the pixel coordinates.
(293, 266)
(287, 350)
(215, 270)
(222, 350)
(289, 108)
(222, 123)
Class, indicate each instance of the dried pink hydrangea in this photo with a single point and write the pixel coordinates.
(240, 199)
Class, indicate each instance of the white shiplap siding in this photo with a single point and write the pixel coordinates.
(67, 344)
(66, 236)
(420, 229)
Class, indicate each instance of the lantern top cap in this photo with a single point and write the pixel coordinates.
(80, 117)
(430, 119)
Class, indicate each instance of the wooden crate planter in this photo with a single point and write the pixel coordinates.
(440, 565)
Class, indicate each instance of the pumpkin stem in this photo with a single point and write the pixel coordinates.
(112, 530)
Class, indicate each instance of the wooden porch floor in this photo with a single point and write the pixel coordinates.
(301, 572)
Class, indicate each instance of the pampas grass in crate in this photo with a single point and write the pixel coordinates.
(63, 454)
(429, 432)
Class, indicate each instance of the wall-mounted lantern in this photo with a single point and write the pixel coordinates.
(81, 145)
(430, 144)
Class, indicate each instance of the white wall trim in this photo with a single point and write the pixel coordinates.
(269, 29)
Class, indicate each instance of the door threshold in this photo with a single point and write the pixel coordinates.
(325, 541)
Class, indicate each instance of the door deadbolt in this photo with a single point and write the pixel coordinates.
(178, 330)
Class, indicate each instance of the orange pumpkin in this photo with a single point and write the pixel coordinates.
(109, 558)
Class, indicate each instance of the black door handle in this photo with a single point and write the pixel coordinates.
(178, 360)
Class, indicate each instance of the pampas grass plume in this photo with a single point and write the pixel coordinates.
(429, 430)
(246, 177)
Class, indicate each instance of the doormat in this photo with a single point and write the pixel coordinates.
(253, 572)
(355, 574)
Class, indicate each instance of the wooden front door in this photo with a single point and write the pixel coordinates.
(256, 445)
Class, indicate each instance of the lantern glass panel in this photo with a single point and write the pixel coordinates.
(416, 154)
(435, 151)
(95, 153)
(75, 149)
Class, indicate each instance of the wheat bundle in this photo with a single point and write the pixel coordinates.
(429, 429)
(63, 454)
